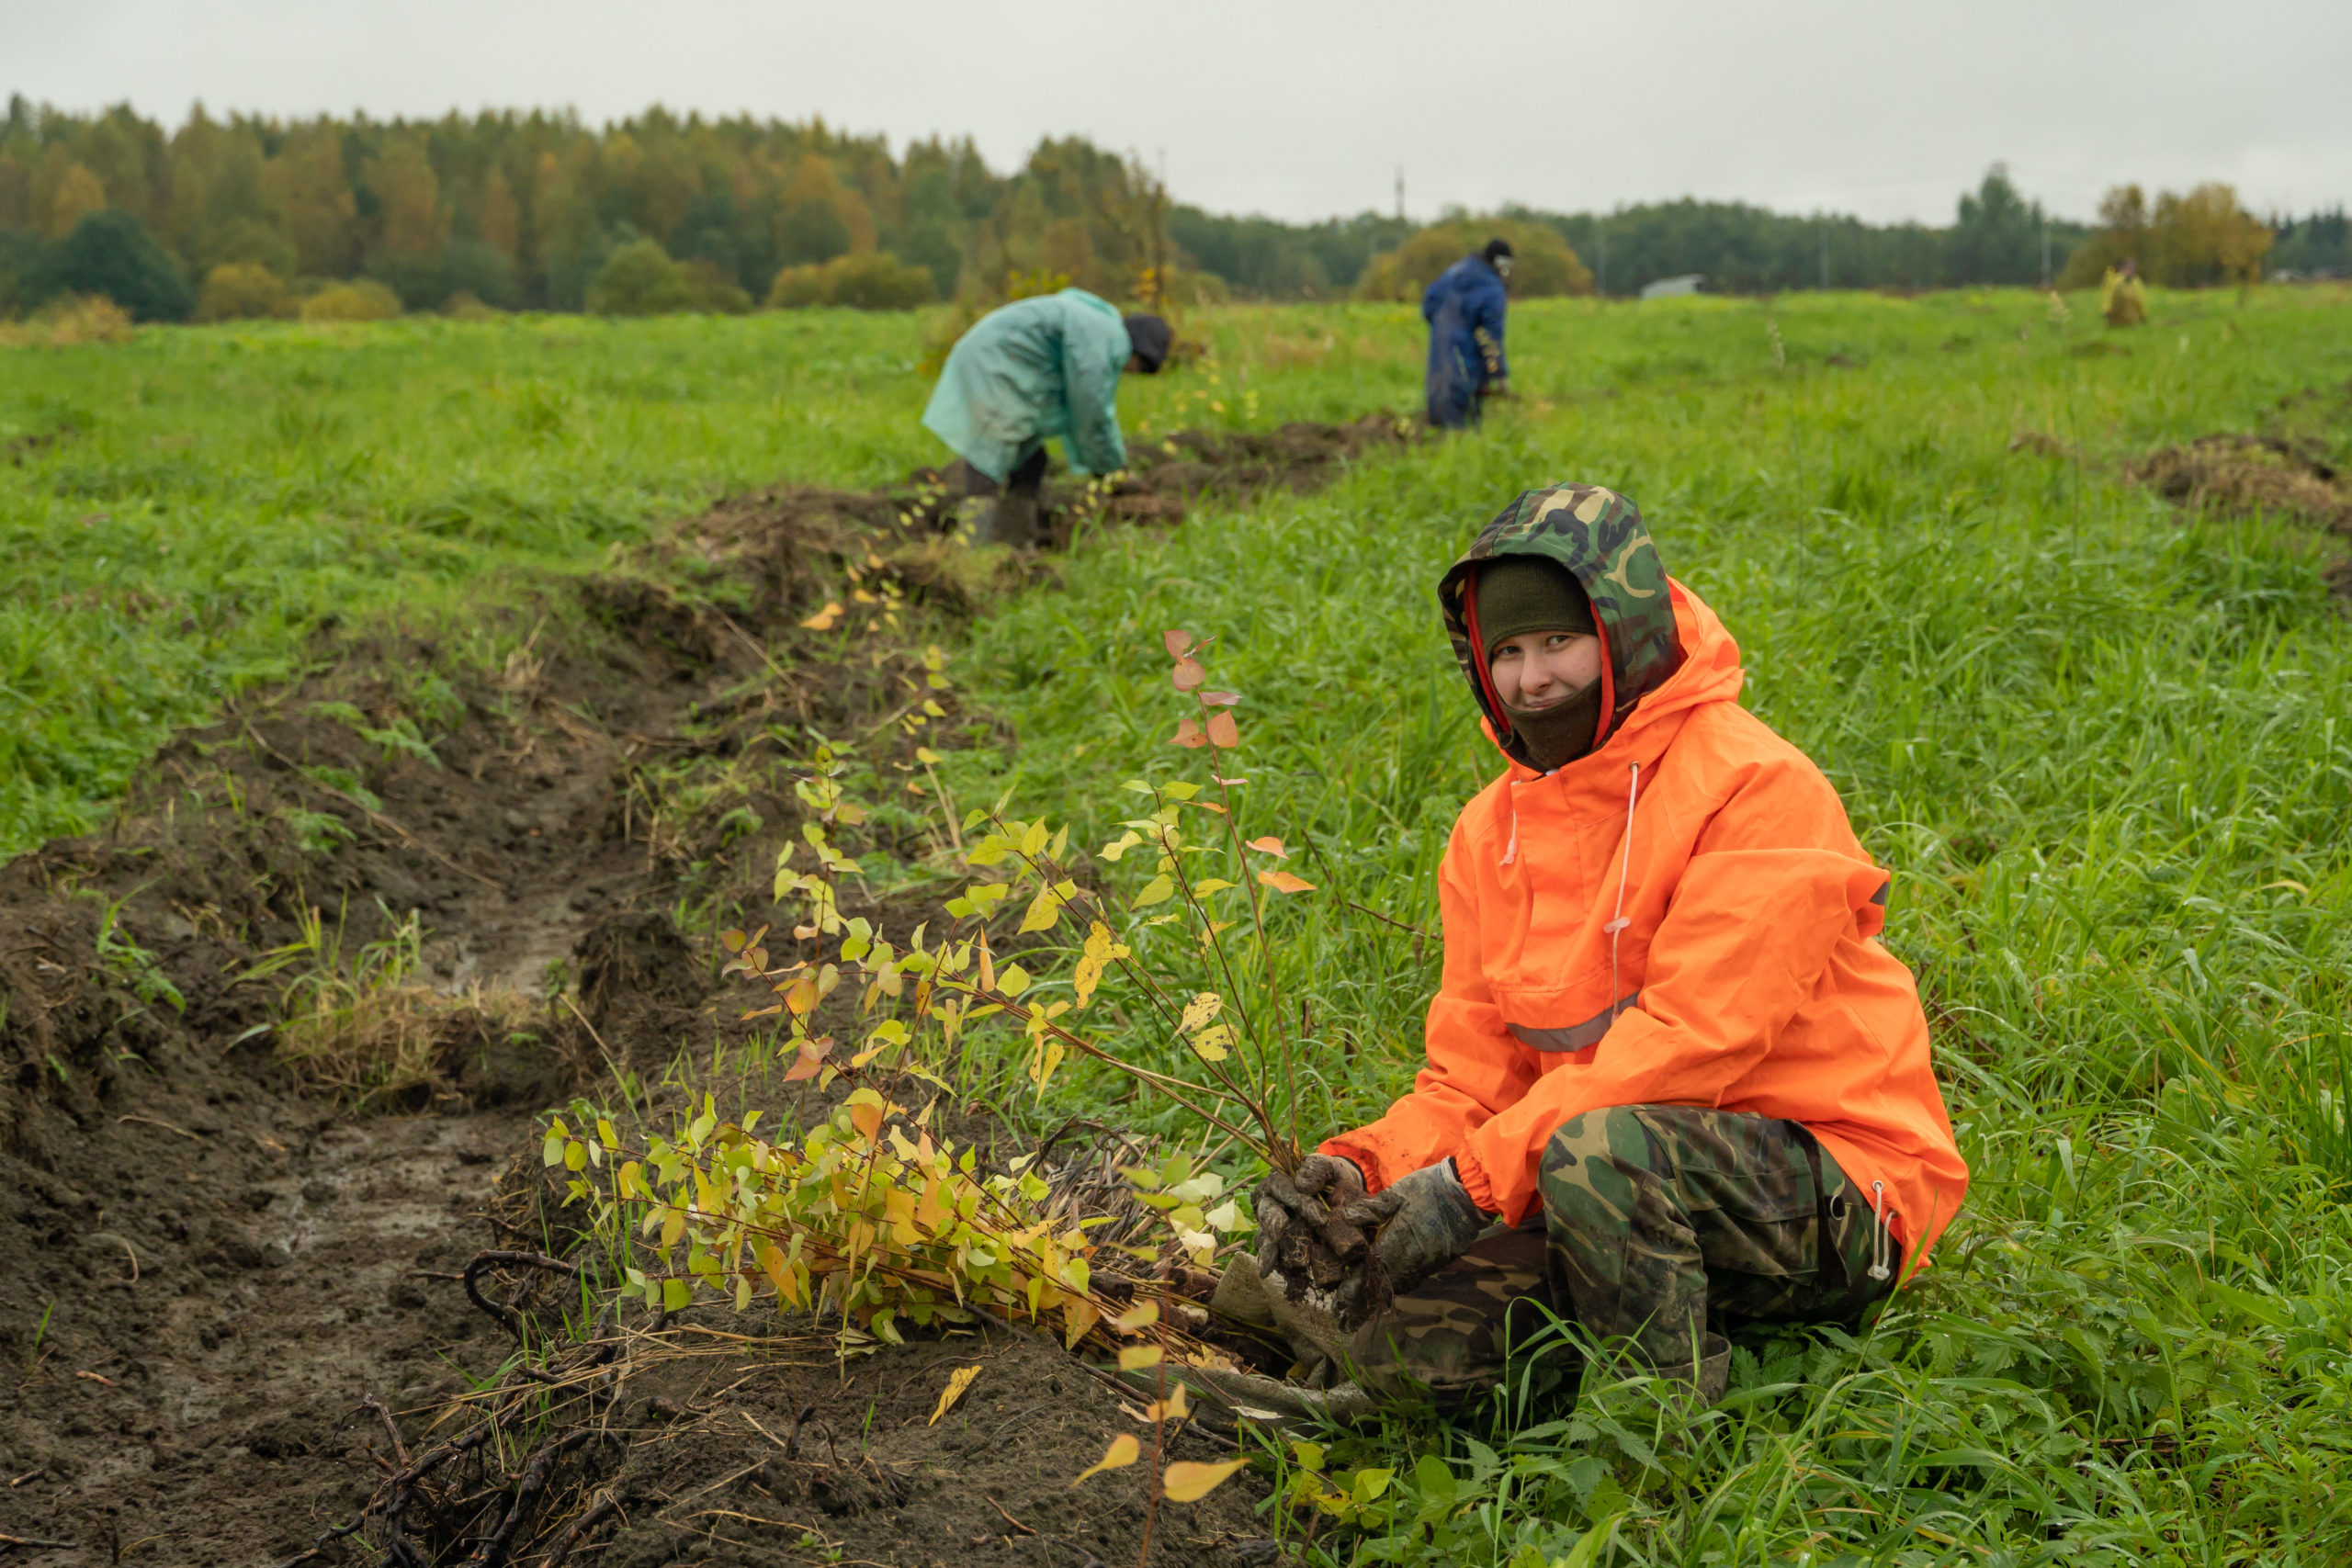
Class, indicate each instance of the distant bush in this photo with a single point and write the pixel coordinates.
(712, 289)
(463, 306)
(363, 300)
(74, 319)
(1541, 262)
(874, 281)
(640, 279)
(2187, 242)
(111, 252)
(236, 290)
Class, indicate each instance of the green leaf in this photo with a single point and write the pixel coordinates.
(676, 1294)
(1158, 890)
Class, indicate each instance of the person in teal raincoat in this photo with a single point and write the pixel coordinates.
(1029, 371)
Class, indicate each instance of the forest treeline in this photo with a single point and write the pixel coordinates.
(249, 215)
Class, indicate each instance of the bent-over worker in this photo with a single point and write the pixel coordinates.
(1029, 371)
(1464, 308)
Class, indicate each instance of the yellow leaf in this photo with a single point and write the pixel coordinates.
(1136, 1358)
(1188, 1481)
(957, 1381)
(1284, 882)
(1124, 1451)
(1158, 890)
(1204, 1005)
(1143, 1315)
(823, 620)
(1012, 980)
(1044, 912)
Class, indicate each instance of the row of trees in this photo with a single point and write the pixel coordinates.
(258, 216)
(519, 210)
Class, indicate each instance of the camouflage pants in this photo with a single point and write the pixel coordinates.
(1661, 1225)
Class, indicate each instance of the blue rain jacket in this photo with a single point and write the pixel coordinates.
(1465, 309)
(1036, 369)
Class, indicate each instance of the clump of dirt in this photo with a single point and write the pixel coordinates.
(221, 1262)
(2245, 474)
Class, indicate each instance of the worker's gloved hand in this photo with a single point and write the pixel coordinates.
(1420, 1225)
(1302, 1233)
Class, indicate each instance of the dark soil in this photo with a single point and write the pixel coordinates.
(214, 1262)
(2299, 465)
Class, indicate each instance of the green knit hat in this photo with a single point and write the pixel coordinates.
(1517, 594)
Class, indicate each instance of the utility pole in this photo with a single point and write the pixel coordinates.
(2045, 250)
(1400, 193)
(1604, 258)
(1825, 255)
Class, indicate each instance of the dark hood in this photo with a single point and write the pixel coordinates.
(1598, 535)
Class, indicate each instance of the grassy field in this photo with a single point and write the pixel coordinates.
(2107, 750)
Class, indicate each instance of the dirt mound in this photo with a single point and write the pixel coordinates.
(220, 1264)
(2242, 475)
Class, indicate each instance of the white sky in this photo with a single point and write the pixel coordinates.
(1885, 109)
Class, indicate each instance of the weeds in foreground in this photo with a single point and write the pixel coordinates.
(361, 1026)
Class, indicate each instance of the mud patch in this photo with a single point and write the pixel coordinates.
(219, 1265)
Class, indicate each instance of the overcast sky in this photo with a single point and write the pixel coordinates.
(1887, 110)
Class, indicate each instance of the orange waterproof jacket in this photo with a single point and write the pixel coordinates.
(1682, 916)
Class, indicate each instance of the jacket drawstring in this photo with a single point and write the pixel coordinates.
(1878, 1269)
(1624, 871)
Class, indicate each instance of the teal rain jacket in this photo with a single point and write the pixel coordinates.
(1033, 369)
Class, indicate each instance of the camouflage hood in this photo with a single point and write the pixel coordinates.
(1597, 534)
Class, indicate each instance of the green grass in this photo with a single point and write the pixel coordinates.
(2107, 750)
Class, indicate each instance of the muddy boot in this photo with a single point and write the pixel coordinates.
(1015, 521)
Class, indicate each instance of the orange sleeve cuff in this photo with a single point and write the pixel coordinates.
(1476, 1182)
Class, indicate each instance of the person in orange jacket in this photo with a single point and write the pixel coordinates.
(1674, 1081)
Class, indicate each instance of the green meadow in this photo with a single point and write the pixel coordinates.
(2105, 747)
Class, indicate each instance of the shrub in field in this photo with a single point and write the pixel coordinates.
(711, 290)
(463, 306)
(236, 290)
(640, 279)
(876, 1209)
(1541, 262)
(77, 318)
(363, 300)
(111, 252)
(874, 280)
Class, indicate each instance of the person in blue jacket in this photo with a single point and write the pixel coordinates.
(1029, 371)
(1465, 309)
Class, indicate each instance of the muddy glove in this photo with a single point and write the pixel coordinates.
(1422, 1223)
(1301, 1232)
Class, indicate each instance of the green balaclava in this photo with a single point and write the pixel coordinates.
(1517, 595)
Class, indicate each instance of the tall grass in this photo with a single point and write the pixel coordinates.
(2107, 752)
